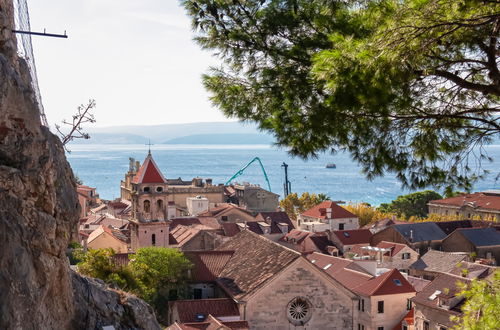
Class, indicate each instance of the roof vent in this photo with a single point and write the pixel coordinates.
(397, 282)
(346, 234)
(200, 317)
(327, 266)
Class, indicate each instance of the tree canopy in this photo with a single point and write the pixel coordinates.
(294, 205)
(482, 304)
(411, 205)
(409, 87)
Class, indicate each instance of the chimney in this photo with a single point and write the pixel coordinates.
(411, 235)
(209, 182)
(329, 213)
(268, 220)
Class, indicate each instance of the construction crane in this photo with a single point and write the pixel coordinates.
(240, 172)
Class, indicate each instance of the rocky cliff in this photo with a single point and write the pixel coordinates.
(38, 217)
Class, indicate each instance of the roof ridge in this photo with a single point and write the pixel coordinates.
(382, 280)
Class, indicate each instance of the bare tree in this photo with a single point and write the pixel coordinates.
(82, 116)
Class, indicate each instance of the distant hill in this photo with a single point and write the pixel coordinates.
(222, 139)
(162, 133)
(109, 138)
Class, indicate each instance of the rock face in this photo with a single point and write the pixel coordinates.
(38, 217)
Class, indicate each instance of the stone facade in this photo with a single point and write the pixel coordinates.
(143, 234)
(332, 306)
(255, 199)
(395, 308)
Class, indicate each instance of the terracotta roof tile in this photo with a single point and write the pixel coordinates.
(438, 261)
(408, 319)
(391, 282)
(395, 247)
(355, 236)
(475, 200)
(275, 218)
(219, 307)
(418, 283)
(319, 211)
(194, 221)
(443, 283)
(354, 278)
(149, 172)
(230, 229)
(207, 265)
(256, 260)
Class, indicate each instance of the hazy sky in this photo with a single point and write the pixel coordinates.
(136, 58)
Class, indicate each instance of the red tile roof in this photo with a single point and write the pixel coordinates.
(198, 221)
(355, 236)
(207, 265)
(475, 200)
(275, 218)
(395, 247)
(391, 282)
(218, 307)
(408, 319)
(319, 211)
(230, 229)
(149, 172)
(306, 242)
(357, 280)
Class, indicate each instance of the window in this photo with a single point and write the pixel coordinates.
(159, 189)
(299, 311)
(197, 293)
(426, 325)
(361, 305)
(147, 206)
(405, 327)
(397, 282)
(406, 256)
(224, 218)
(159, 205)
(380, 306)
(146, 189)
(408, 304)
(341, 226)
(361, 327)
(380, 328)
(153, 239)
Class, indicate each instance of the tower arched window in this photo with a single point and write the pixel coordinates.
(153, 239)
(159, 205)
(147, 206)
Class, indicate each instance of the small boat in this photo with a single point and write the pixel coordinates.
(331, 165)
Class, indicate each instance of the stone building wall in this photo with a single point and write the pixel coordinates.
(332, 305)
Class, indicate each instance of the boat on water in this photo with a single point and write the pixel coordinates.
(331, 165)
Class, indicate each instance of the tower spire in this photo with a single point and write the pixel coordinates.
(149, 144)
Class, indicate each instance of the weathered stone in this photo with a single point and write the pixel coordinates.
(38, 217)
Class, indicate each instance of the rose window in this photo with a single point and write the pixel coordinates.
(299, 311)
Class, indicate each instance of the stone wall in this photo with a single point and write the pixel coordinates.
(38, 214)
(332, 308)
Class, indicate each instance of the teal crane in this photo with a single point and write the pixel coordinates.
(240, 172)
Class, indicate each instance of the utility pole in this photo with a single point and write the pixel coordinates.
(287, 186)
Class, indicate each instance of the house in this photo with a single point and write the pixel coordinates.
(228, 213)
(255, 199)
(345, 240)
(435, 263)
(276, 288)
(105, 237)
(439, 301)
(194, 238)
(483, 205)
(388, 255)
(483, 242)
(327, 216)
(306, 242)
(197, 205)
(383, 298)
(420, 236)
(94, 221)
(273, 225)
(210, 323)
(378, 225)
(87, 198)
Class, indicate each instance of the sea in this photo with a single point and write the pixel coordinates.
(104, 165)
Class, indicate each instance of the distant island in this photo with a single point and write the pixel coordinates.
(222, 139)
(192, 133)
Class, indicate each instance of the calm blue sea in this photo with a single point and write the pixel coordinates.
(103, 166)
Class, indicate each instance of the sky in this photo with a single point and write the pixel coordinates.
(136, 58)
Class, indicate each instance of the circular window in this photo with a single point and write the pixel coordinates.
(299, 311)
(159, 189)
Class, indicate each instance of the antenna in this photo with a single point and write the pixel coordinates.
(43, 34)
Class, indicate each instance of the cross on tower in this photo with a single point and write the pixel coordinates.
(149, 144)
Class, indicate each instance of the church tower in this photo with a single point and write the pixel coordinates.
(148, 194)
